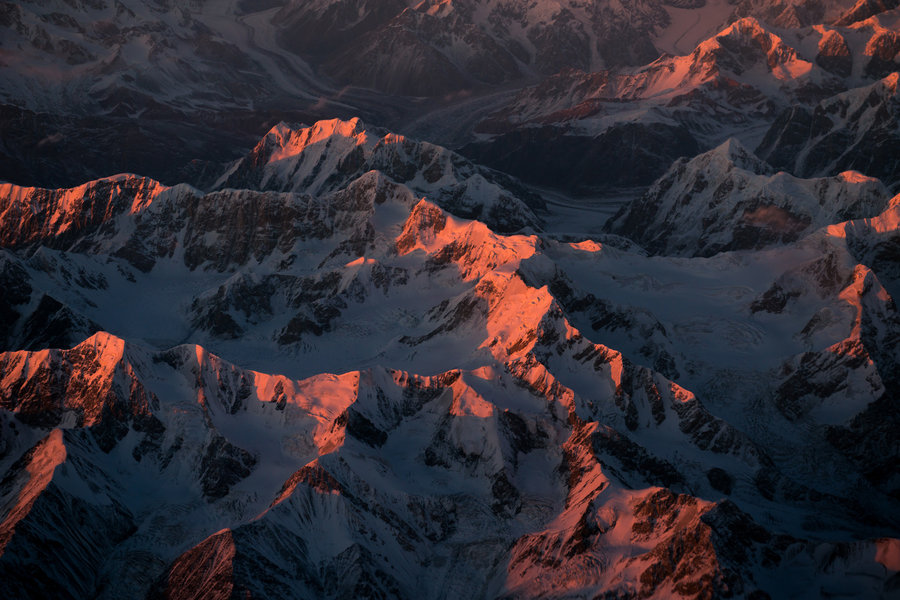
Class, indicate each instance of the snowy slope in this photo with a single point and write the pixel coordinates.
(857, 130)
(137, 57)
(728, 199)
(736, 83)
(90, 89)
(336, 485)
(461, 412)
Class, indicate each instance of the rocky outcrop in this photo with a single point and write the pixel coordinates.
(864, 9)
(630, 154)
(854, 130)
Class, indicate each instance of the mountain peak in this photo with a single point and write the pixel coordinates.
(745, 25)
(329, 155)
(865, 9)
(732, 153)
(103, 342)
(347, 128)
(284, 141)
(747, 42)
(856, 177)
(319, 130)
(728, 199)
(736, 152)
(745, 30)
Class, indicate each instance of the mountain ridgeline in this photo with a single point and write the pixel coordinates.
(504, 300)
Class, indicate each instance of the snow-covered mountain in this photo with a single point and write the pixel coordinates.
(434, 48)
(864, 9)
(184, 84)
(329, 154)
(632, 123)
(137, 57)
(93, 88)
(460, 412)
(728, 199)
(793, 13)
(858, 129)
(361, 357)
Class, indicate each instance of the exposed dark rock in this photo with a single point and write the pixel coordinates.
(364, 430)
(223, 465)
(54, 325)
(720, 480)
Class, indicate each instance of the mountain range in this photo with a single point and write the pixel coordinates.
(460, 299)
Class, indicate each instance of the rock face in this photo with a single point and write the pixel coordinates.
(296, 185)
(854, 130)
(98, 404)
(448, 430)
(32, 215)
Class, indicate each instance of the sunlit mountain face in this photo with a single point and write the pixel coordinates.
(459, 299)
